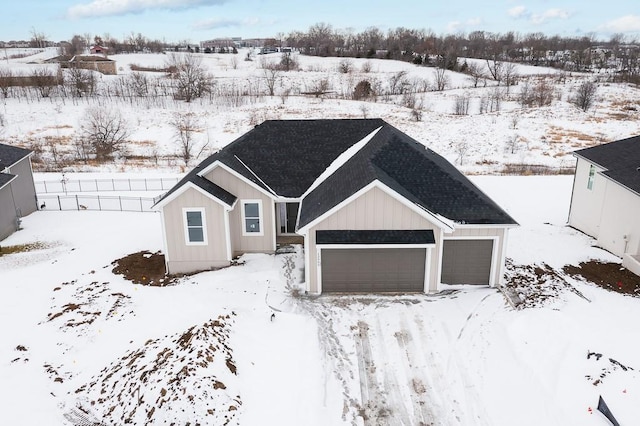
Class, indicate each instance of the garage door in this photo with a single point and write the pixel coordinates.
(466, 261)
(373, 270)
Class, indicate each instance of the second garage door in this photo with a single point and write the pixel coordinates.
(466, 261)
(373, 270)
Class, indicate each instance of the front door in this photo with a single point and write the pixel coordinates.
(287, 214)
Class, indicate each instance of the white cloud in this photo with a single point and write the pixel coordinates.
(474, 22)
(212, 24)
(624, 24)
(454, 26)
(98, 8)
(548, 15)
(518, 12)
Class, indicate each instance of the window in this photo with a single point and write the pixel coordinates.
(252, 217)
(195, 229)
(592, 175)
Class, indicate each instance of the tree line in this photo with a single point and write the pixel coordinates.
(584, 53)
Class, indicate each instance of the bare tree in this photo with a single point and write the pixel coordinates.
(81, 81)
(495, 69)
(585, 95)
(441, 79)
(191, 78)
(475, 72)
(103, 131)
(542, 93)
(363, 90)
(461, 106)
(138, 83)
(43, 80)
(288, 62)
(38, 39)
(461, 149)
(509, 74)
(6, 77)
(271, 78)
(345, 66)
(185, 126)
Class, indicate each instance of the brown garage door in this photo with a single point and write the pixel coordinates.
(466, 261)
(373, 270)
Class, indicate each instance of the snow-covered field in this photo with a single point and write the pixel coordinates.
(207, 349)
(478, 143)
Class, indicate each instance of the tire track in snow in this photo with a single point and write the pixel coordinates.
(376, 408)
(399, 411)
(421, 391)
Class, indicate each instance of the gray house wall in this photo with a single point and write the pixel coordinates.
(8, 224)
(24, 191)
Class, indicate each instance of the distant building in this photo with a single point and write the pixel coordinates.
(98, 50)
(88, 62)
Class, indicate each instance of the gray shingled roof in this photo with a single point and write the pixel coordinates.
(378, 236)
(289, 155)
(415, 172)
(620, 159)
(10, 155)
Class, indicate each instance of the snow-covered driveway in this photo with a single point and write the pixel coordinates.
(396, 356)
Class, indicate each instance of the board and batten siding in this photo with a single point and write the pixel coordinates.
(375, 209)
(586, 204)
(184, 258)
(240, 244)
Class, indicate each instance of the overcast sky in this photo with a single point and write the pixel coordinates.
(196, 20)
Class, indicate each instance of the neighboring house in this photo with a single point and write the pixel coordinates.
(97, 50)
(17, 190)
(375, 210)
(605, 202)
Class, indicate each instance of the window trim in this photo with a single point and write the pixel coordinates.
(591, 177)
(260, 218)
(200, 210)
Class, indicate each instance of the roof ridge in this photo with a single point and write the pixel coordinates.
(341, 160)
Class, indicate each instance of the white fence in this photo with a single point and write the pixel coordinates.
(104, 185)
(96, 202)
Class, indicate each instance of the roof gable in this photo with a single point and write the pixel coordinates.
(620, 159)
(10, 155)
(205, 186)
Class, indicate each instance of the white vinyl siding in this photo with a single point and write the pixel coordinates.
(252, 220)
(195, 226)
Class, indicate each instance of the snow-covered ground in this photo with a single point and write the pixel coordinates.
(478, 143)
(208, 349)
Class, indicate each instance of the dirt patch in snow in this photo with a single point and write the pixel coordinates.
(144, 268)
(608, 275)
(185, 378)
